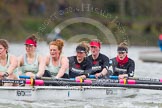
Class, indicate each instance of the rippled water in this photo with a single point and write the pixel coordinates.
(144, 98)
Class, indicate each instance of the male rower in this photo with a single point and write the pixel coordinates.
(122, 65)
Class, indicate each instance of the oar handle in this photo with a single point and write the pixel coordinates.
(24, 77)
(91, 76)
(28, 77)
(113, 77)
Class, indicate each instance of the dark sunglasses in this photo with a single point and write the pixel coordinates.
(121, 52)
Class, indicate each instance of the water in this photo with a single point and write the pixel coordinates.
(145, 98)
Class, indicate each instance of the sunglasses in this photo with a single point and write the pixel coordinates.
(121, 52)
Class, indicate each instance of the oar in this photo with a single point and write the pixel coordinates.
(128, 81)
(66, 83)
(13, 81)
(141, 79)
(101, 84)
(121, 81)
(27, 81)
(59, 79)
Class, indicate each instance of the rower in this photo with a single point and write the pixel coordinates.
(100, 62)
(57, 63)
(8, 62)
(79, 65)
(122, 66)
(31, 63)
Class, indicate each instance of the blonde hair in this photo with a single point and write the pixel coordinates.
(96, 40)
(123, 45)
(85, 45)
(59, 43)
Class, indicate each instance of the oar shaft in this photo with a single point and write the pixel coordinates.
(127, 81)
(95, 83)
(147, 79)
(12, 81)
(141, 79)
(63, 83)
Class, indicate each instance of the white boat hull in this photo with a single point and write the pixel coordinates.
(50, 93)
(151, 56)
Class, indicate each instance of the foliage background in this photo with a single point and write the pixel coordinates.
(142, 19)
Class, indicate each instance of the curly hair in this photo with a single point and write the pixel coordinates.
(59, 43)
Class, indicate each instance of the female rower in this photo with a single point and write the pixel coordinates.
(100, 62)
(122, 65)
(57, 64)
(31, 63)
(79, 65)
(8, 62)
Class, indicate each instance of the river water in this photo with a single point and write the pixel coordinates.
(145, 98)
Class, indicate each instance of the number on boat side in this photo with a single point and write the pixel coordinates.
(23, 93)
(20, 93)
(109, 92)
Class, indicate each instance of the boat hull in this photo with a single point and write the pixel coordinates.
(50, 93)
(151, 56)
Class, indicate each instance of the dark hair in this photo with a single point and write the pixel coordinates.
(32, 37)
(4, 43)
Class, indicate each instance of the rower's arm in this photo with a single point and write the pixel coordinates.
(104, 72)
(64, 67)
(106, 66)
(131, 69)
(13, 64)
(41, 66)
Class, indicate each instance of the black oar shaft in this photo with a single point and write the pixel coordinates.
(12, 81)
(63, 83)
(148, 82)
(128, 81)
(145, 79)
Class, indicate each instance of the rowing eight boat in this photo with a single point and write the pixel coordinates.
(51, 93)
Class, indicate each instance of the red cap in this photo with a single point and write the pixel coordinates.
(30, 42)
(160, 36)
(96, 44)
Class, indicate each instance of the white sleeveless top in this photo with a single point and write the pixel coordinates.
(4, 68)
(54, 69)
(33, 67)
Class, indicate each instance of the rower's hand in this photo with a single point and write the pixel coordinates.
(1, 74)
(30, 74)
(5, 74)
(98, 75)
(123, 76)
(81, 77)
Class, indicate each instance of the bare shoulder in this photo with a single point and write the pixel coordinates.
(40, 57)
(13, 57)
(20, 57)
(64, 59)
(47, 59)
